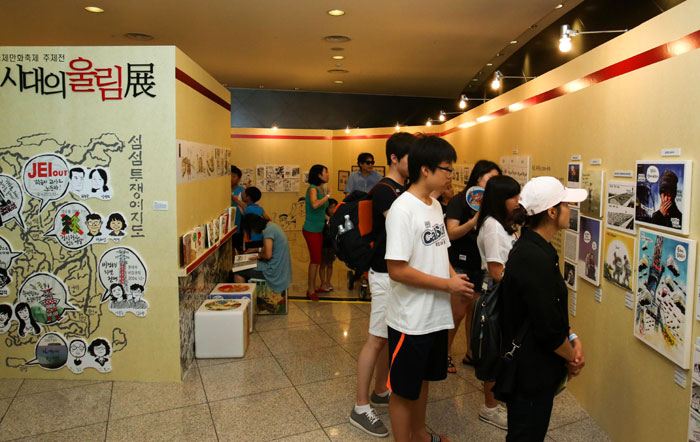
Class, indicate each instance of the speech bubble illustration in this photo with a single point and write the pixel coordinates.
(7, 257)
(47, 297)
(70, 227)
(11, 200)
(51, 352)
(46, 177)
(120, 268)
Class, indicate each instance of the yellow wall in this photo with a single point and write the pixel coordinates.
(626, 386)
(201, 120)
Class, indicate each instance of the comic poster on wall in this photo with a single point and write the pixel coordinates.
(573, 218)
(663, 308)
(620, 207)
(197, 161)
(278, 178)
(517, 167)
(570, 275)
(662, 198)
(573, 175)
(11, 201)
(571, 246)
(592, 181)
(7, 257)
(618, 259)
(589, 250)
(123, 275)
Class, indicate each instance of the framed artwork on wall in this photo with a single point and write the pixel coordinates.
(342, 179)
(589, 250)
(618, 259)
(620, 208)
(662, 198)
(354, 168)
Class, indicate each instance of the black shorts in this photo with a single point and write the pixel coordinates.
(414, 359)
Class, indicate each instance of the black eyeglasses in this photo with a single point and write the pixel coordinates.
(369, 162)
(446, 169)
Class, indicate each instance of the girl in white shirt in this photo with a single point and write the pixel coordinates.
(498, 221)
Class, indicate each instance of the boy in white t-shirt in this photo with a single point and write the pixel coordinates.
(418, 313)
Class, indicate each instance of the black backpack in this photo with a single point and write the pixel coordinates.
(355, 246)
(486, 334)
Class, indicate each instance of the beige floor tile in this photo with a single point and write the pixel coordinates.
(4, 405)
(95, 432)
(137, 398)
(31, 386)
(450, 387)
(317, 365)
(290, 340)
(467, 373)
(242, 378)
(586, 430)
(457, 418)
(566, 411)
(348, 433)
(311, 436)
(256, 349)
(262, 417)
(330, 401)
(295, 318)
(73, 407)
(9, 387)
(354, 348)
(365, 307)
(348, 331)
(325, 312)
(181, 424)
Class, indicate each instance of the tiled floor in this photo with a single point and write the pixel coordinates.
(296, 383)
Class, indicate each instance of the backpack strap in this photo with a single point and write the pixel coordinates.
(384, 183)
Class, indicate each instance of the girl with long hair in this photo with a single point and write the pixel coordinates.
(316, 203)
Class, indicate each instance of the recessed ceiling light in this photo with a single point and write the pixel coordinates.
(475, 79)
(559, 6)
(338, 81)
(336, 12)
(499, 54)
(489, 64)
(338, 71)
(338, 57)
(336, 38)
(514, 42)
(94, 9)
(138, 36)
(533, 27)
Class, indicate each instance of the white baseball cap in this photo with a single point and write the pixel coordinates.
(541, 193)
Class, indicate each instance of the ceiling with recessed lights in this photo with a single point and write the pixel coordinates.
(411, 48)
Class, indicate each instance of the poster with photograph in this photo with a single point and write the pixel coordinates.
(573, 175)
(663, 308)
(343, 176)
(662, 198)
(592, 181)
(573, 218)
(516, 167)
(620, 208)
(619, 259)
(570, 275)
(571, 246)
(589, 249)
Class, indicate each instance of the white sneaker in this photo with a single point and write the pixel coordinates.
(498, 417)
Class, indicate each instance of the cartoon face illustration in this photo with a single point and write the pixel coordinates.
(100, 350)
(98, 180)
(116, 292)
(77, 348)
(116, 224)
(136, 292)
(5, 315)
(22, 313)
(77, 179)
(4, 277)
(94, 224)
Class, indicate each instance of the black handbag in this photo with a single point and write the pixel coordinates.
(507, 366)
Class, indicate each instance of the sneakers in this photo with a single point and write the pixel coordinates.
(379, 401)
(498, 417)
(369, 423)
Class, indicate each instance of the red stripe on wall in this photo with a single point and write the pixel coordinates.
(660, 53)
(199, 87)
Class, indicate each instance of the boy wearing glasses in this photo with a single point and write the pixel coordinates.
(418, 312)
(365, 178)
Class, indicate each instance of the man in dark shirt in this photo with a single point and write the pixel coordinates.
(668, 214)
(374, 351)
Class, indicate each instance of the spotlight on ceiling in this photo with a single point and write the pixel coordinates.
(463, 101)
(567, 33)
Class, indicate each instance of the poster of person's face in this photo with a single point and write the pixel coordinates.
(589, 250)
(662, 198)
(573, 175)
(569, 274)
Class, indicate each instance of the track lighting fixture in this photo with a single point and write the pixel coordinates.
(497, 76)
(567, 33)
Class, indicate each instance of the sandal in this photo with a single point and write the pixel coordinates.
(450, 366)
(312, 296)
(434, 437)
(467, 360)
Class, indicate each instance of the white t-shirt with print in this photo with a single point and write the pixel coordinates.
(416, 234)
(494, 242)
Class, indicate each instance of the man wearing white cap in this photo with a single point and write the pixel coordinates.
(534, 313)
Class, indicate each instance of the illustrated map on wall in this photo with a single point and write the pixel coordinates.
(50, 308)
(197, 161)
(663, 195)
(664, 300)
(278, 178)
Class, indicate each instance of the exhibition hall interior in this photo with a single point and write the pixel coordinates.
(165, 169)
